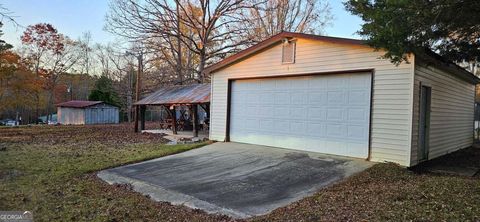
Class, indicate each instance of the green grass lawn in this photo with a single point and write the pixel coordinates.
(50, 171)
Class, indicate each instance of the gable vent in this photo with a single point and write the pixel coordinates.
(288, 51)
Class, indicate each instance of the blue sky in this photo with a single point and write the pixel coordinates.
(74, 17)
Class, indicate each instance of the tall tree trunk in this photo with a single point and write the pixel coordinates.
(37, 107)
(16, 117)
(201, 66)
(179, 48)
(129, 105)
(50, 104)
(37, 96)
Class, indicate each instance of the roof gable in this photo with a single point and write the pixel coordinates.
(428, 55)
(261, 46)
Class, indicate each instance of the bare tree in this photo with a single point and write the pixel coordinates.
(6, 14)
(121, 68)
(271, 17)
(56, 65)
(101, 55)
(86, 65)
(205, 27)
(115, 65)
(85, 62)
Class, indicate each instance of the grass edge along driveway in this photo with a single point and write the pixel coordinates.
(57, 181)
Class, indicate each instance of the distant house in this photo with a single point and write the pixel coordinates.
(77, 112)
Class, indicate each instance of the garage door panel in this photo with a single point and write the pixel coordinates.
(335, 114)
(297, 83)
(252, 124)
(282, 98)
(299, 98)
(316, 83)
(359, 82)
(337, 131)
(336, 97)
(252, 98)
(358, 97)
(282, 126)
(328, 114)
(356, 149)
(358, 132)
(316, 113)
(281, 112)
(319, 98)
(316, 130)
(268, 84)
(298, 128)
(282, 84)
(267, 125)
(333, 82)
(266, 98)
(357, 115)
(264, 111)
(298, 113)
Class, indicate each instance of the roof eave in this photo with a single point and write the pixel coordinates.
(440, 62)
(77, 104)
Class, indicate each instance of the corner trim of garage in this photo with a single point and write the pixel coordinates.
(229, 105)
(372, 81)
(369, 70)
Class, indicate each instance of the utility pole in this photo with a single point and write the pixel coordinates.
(137, 90)
(138, 86)
(70, 90)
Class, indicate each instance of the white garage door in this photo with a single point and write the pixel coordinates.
(321, 113)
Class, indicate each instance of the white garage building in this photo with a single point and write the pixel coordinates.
(337, 96)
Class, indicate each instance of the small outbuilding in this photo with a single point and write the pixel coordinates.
(79, 112)
(339, 96)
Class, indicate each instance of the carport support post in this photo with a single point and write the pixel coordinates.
(143, 108)
(195, 120)
(173, 114)
(137, 112)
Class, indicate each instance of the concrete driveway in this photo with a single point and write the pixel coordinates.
(238, 180)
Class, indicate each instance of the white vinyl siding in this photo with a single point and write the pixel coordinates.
(392, 89)
(71, 116)
(451, 113)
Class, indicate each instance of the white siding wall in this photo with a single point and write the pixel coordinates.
(71, 116)
(392, 89)
(451, 113)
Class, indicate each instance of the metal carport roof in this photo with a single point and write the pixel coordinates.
(178, 94)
